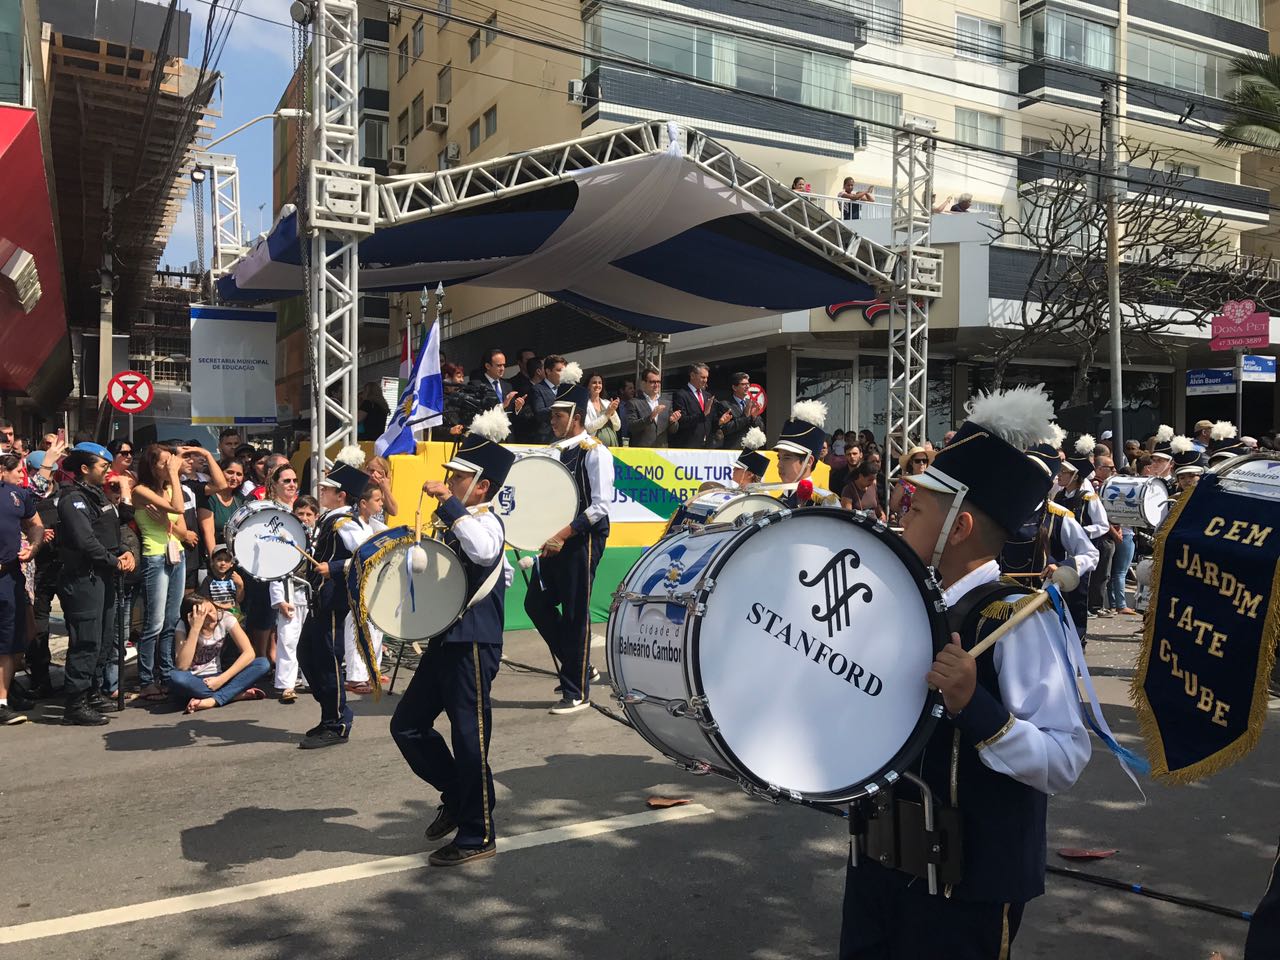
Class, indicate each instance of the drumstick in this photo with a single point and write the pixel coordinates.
(279, 539)
(1064, 578)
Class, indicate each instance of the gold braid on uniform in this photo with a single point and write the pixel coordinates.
(1004, 609)
(360, 610)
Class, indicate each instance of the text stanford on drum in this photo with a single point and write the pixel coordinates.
(837, 663)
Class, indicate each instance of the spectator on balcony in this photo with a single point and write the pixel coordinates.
(800, 185)
(850, 198)
(372, 413)
(962, 204)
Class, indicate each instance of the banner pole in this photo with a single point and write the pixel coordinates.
(1240, 392)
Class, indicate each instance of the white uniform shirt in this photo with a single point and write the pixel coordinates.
(479, 535)
(599, 468)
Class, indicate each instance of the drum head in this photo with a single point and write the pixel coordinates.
(748, 504)
(539, 500)
(254, 536)
(813, 651)
(416, 606)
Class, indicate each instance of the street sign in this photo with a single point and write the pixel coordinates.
(1259, 369)
(756, 393)
(1240, 326)
(130, 392)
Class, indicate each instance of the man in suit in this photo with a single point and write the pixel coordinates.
(493, 365)
(694, 404)
(650, 421)
(542, 397)
(524, 427)
(738, 414)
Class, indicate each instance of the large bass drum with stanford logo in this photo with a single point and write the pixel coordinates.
(788, 653)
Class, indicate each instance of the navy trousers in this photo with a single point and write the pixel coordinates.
(558, 602)
(453, 679)
(1263, 942)
(889, 915)
(321, 653)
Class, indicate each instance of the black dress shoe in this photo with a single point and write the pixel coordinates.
(97, 701)
(38, 690)
(442, 825)
(80, 714)
(325, 738)
(452, 855)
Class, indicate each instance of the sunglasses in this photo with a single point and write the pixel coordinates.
(125, 453)
(924, 460)
(288, 479)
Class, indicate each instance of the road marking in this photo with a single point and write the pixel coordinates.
(78, 923)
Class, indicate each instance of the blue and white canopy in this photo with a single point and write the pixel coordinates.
(654, 226)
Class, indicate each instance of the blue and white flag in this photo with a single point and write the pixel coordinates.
(421, 404)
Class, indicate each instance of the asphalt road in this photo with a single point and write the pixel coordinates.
(138, 840)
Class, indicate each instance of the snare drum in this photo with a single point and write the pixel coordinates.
(722, 506)
(788, 654)
(403, 604)
(262, 536)
(1140, 502)
(539, 500)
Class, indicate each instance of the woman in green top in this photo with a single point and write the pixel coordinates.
(221, 506)
(158, 511)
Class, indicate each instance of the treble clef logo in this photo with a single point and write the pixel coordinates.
(834, 578)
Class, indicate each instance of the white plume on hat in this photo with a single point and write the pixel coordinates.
(1164, 434)
(572, 373)
(493, 424)
(1085, 444)
(1180, 444)
(1056, 436)
(1222, 430)
(1019, 416)
(351, 455)
(753, 439)
(810, 411)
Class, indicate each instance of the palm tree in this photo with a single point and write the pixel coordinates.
(1253, 112)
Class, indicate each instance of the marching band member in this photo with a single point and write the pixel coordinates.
(321, 649)
(1187, 463)
(1013, 732)
(567, 564)
(364, 524)
(1078, 496)
(291, 599)
(1162, 457)
(751, 465)
(1224, 445)
(458, 668)
(798, 448)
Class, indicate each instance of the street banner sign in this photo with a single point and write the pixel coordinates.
(130, 392)
(1259, 369)
(233, 365)
(1209, 381)
(1240, 326)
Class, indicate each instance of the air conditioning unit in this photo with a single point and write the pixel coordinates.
(578, 92)
(393, 13)
(452, 152)
(439, 117)
(398, 161)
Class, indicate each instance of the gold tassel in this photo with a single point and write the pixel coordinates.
(1004, 609)
(364, 645)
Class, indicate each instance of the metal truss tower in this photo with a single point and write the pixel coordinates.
(340, 209)
(917, 280)
(224, 187)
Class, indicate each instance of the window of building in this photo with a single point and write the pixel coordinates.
(1242, 11)
(473, 136)
(978, 39)
(416, 113)
(444, 84)
(490, 122)
(1032, 145)
(490, 35)
(1183, 68)
(419, 41)
(979, 129)
(883, 18)
(1056, 35)
(1180, 169)
(443, 7)
(373, 69)
(474, 46)
(402, 128)
(373, 139)
(801, 76)
(878, 106)
(402, 57)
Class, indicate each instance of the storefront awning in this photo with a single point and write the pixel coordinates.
(654, 226)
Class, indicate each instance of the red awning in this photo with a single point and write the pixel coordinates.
(35, 351)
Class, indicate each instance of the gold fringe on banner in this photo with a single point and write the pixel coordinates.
(360, 609)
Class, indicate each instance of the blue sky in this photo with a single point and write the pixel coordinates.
(256, 65)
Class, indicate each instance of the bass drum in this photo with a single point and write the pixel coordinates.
(722, 506)
(539, 500)
(264, 539)
(1140, 502)
(402, 603)
(788, 653)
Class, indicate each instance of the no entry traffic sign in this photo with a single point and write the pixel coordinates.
(756, 393)
(130, 392)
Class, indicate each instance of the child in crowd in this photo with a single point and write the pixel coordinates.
(365, 519)
(223, 585)
(196, 680)
(291, 602)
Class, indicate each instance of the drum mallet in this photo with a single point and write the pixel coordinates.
(279, 539)
(1065, 579)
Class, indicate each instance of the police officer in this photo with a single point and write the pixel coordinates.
(89, 547)
(458, 668)
(567, 564)
(17, 516)
(322, 646)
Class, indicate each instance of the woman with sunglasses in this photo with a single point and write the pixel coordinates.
(219, 507)
(913, 462)
(121, 450)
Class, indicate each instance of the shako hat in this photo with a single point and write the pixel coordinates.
(1163, 437)
(1081, 459)
(1223, 442)
(1186, 458)
(750, 458)
(802, 433)
(348, 479)
(1047, 452)
(480, 453)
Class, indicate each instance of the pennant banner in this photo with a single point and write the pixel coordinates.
(1200, 690)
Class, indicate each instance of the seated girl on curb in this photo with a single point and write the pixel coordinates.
(197, 680)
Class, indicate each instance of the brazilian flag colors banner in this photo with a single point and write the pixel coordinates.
(1200, 690)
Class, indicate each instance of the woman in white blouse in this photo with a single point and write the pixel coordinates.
(603, 422)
